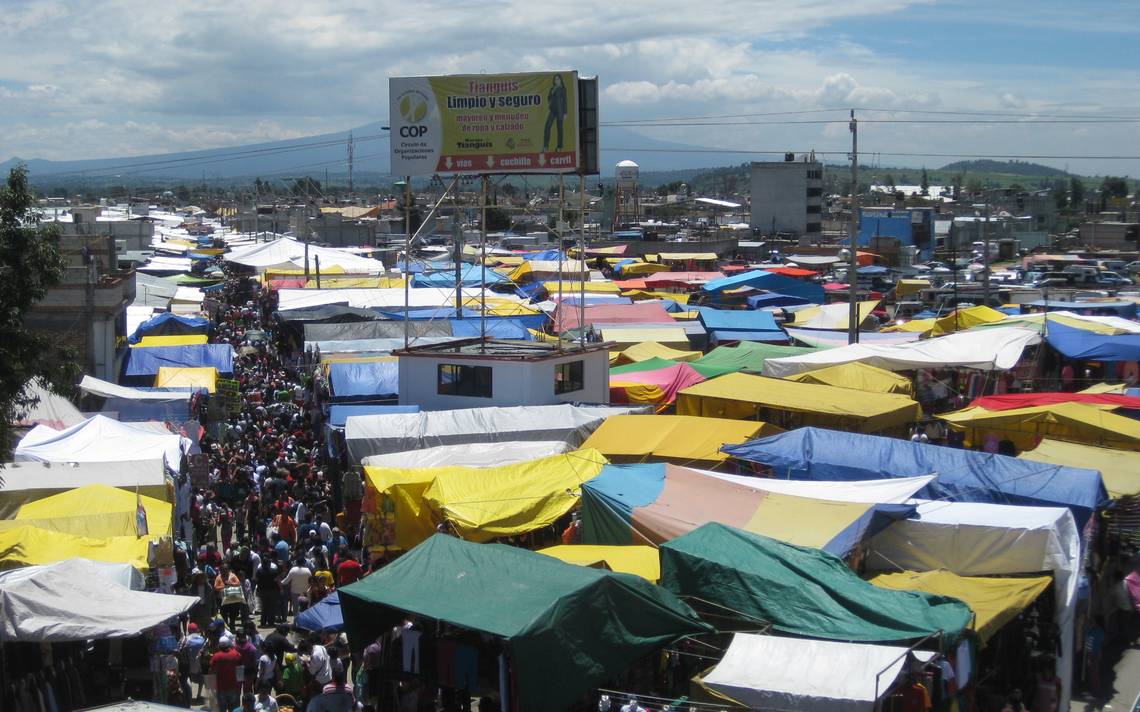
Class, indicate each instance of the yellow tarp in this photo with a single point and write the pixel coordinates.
(639, 295)
(686, 256)
(95, 500)
(175, 340)
(966, 318)
(1117, 388)
(642, 268)
(574, 287)
(685, 316)
(920, 326)
(505, 260)
(544, 269)
(637, 438)
(788, 404)
(1120, 469)
(803, 521)
(995, 601)
(858, 376)
(833, 316)
(29, 546)
(907, 287)
(673, 337)
(1054, 318)
(484, 503)
(652, 349)
(643, 561)
(355, 282)
(643, 393)
(200, 377)
(300, 271)
(1071, 422)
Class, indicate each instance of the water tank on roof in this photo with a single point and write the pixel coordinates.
(626, 174)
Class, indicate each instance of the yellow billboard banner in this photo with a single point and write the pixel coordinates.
(484, 123)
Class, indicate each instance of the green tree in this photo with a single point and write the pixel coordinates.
(30, 264)
(1114, 187)
(925, 184)
(889, 181)
(1076, 192)
(498, 219)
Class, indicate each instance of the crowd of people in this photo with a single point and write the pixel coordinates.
(266, 542)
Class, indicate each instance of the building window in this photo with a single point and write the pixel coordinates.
(813, 227)
(813, 209)
(814, 192)
(568, 377)
(459, 380)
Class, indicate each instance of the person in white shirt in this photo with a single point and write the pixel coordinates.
(317, 661)
(297, 583)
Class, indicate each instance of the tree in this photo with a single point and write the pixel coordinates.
(1114, 187)
(1076, 192)
(498, 220)
(889, 181)
(30, 264)
(925, 184)
(957, 186)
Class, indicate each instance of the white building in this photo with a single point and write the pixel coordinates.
(787, 197)
(475, 373)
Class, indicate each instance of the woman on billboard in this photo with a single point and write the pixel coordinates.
(556, 101)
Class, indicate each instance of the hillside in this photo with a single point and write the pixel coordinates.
(1017, 168)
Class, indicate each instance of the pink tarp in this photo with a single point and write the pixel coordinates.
(566, 316)
(664, 278)
(670, 380)
(1011, 401)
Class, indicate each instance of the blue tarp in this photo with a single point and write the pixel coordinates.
(597, 299)
(545, 255)
(871, 270)
(339, 414)
(468, 274)
(324, 616)
(1084, 345)
(355, 379)
(146, 362)
(772, 300)
(167, 324)
(497, 328)
(738, 320)
(717, 336)
(963, 475)
(1119, 308)
(771, 282)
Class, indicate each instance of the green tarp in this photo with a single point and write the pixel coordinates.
(566, 628)
(747, 356)
(801, 591)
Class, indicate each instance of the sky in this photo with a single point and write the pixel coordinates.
(82, 79)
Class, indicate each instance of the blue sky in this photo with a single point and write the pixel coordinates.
(121, 77)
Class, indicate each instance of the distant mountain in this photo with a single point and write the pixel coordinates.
(1019, 168)
(315, 154)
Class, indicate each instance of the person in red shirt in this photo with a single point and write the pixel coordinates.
(286, 526)
(224, 664)
(348, 570)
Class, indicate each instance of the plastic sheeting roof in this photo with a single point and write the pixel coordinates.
(1082, 345)
(188, 377)
(678, 437)
(146, 362)
(288, 253)
(74, 600)
(470, 455)
(653, 386)
(50, 409)
(106, 389)
(989, 350)
(800, 675)
(339, 414)
(830, 339)
(1075, 422)
(858, 376)
(637, 560)
(1120, 469)
(324, 616)
(362, 379)
(100, 439)
(963, 475)
(778, 283)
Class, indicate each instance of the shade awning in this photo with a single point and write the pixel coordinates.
(640, 561)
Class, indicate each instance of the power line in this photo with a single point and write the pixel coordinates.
(972, 122)
(880, 153)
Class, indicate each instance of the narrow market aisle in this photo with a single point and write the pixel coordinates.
(1124, 679)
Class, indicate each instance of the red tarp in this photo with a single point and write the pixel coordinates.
(1010, 401)
(670, 380)
(288, 283)
(624, 284)
(791, 271)
(835, 286)
(637, 313)
(662, 278)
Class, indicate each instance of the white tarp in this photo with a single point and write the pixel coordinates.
(288, 253)
(100, 439)
(834, 338)
(123, 574)
(106, 389)
(987, 350)
(367, 435)
(74, 600)
(32, 481)
(50, 409)
(971, 539)
(470, 455)
(794, 674)
(890, 491)
(387, 298)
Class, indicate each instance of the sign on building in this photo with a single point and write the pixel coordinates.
(228, 393)
(485, 123)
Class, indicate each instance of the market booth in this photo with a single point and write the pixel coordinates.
(520, 626)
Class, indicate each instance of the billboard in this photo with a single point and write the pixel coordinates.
(484, 123)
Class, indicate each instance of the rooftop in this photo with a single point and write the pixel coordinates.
(499, 349)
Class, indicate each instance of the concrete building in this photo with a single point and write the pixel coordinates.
(1110, 235)
(131, 233)
(787, 198)
(473, 373)
(88, 310)
(886, 230)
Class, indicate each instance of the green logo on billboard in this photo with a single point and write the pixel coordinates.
(413, 108)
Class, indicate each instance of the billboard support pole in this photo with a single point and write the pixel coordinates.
(582, 256)
(561, 253)
(407, 256)
(457, 251)
(483, 264)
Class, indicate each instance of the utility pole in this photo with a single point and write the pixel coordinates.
(986, 255)
(350, 148)
(853, 265)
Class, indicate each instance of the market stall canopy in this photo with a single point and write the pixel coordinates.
(790, 404)
(745, 356)
(659, 386)
(651, 349)
(75, 601)
(896, 491)
(1011, 401)
(801, 591)
(740, 325)
(98, 511)
(30, 481)
(106, 389)
(185, 340)
(1081, 345)
(50, 409)
(144, 363)
(1120, 469)
(323, 617)
(800, 675)
(470, 455)
(169, 376)
(990, 350)
(654, 503)
(568, 316)
(482, 503)
(773, 300)
(1024, 427)
(832, 316)
(339, 414)
(363, 380)
(168, 324)
(640, 561)
(831, 339)
(995, 601)
(963, 475)
(31, 545)
(672, 437)
(469, 276)
(544, 609)
(858, 376)
(392, 297)
(289, 253)
(381, 434)
(100, 439)
(811, 292)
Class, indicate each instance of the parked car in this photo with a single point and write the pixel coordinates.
(1112, 279)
